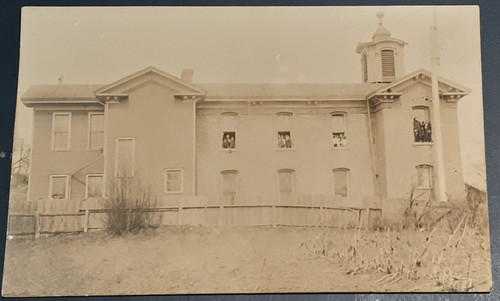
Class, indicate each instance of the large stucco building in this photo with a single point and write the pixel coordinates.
(357, 145)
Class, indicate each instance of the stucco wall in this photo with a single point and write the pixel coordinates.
(46, 162)
(258, 159)
(163, 131)
(402, 155)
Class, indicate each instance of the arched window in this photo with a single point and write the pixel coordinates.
(425, 176)
(422, 128)
(338, 124)
(388, 66)
(341, 182)
(229, 124)
(284, 127)
(229, 186)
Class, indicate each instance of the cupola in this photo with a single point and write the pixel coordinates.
(382, 59)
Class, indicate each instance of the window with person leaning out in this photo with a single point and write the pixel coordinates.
(284, 140)
(422, 130)
(228, 140)
(339, 139)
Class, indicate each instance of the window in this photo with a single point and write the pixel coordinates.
(124, 165)
(61, 125)
(94, 186)
(286, 183)
(341, 182)
(388, 68)
(364, 62)
(228, 126)
(338, 127)
(174, 179)
(229, 186)
(424, 176)
(422, 129)
(284, 130)
(96, 131)
(58, 187)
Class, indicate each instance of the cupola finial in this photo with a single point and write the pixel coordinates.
(380, 16)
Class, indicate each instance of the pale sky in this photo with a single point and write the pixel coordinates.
(247, 45)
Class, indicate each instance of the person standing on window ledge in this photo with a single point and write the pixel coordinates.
(288, 142)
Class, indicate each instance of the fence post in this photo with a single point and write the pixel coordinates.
(322, 216)
(368, 218)
(37, 224)
(179, 215)
(273, 216)
(221, 207)
(86, 219)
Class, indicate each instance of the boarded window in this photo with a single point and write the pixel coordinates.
(124, 157)
(341, 182)
(228, 126)
(173, 180)
(96, 131)
(58, 187)
(61, 131)
(229, 186)
(338, 127)
(94, 186)
(422, 128)
(424, 176)
(284, 130)
(286, 186)
(388, 69)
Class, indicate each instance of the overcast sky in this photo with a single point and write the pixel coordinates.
(246, 45)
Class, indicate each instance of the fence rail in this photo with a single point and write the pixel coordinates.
(92, 217)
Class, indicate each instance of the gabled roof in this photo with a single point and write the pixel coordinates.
(453, 88)
(120, 86)
(288, 91)
(60, 93)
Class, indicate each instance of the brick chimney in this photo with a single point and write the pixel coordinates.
(187, 75)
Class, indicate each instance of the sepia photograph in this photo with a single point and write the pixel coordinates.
(243, 150)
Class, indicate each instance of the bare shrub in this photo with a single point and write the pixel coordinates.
(127, 205)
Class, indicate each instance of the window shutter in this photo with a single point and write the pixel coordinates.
(388, 68)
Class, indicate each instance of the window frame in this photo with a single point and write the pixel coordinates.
(89, 130)
(236, 181)
(223, 131)
(430, 169)
(427, 111)
(290, 130)
(165, 175)
(347, 180)
(66, 190)
(344, 117)
(286, 170)
(116, 157)
(87, 183)
(54, 114)
(385, 77)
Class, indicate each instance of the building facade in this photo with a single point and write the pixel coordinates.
(360, 145)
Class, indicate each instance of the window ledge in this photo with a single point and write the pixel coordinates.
(60, 150)
(423, 143)
(229, 150)
(173, 192)
(284, 149)
(340, 148)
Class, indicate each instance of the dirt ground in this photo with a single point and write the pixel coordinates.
(196, 260)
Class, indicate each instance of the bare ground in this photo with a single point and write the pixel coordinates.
(196, 260)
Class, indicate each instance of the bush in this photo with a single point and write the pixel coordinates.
(127, 203)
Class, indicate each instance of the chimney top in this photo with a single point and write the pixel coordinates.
(187, 75)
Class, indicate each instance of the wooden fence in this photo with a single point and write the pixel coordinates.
(54, 216)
